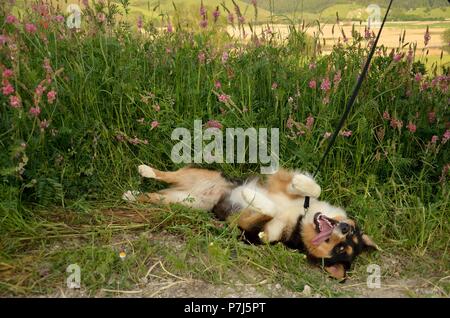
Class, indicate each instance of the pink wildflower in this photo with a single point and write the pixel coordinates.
(230, 18)
(444, 173)
(386, 115)
(427, 37)
(35, 111)
(213, 124)
(312, 84)
(224, 98)
(411, 127)
(309, 122)
(120, 137)
(11, 19)
(398, 57)
(418, 77)
(101, 17)
(8, 89)
(154, 124)
(202, 10)
(396, 123)
(51, 96)
(169, 27)
(15, 101)
(201, 57)
(367, 34)
(434, 139)
(59, 18)
(346, 133)
(47, 66)
(326, 85)
(204, 23)
(424, 86)
(225, 57)
(274, 85)
(3, 39)
(312, 66)
(446, 136)
(216, 14)
(134, 141)
(139, 23)
(30, 28)
(410, 56)
(39, 90)
(337, 78)
(218, 84)
(44, 124)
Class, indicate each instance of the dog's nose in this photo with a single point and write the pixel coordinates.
(344, 228)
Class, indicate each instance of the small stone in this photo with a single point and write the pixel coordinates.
(278, 286)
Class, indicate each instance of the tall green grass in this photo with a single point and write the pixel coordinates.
(112, 83)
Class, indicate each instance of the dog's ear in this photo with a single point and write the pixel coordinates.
(368, 242)
(337, 271)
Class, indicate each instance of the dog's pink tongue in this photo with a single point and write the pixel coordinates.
(324, 234)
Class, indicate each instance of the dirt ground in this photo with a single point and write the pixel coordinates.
(160, 283)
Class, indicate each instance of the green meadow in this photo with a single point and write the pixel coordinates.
(80, 109)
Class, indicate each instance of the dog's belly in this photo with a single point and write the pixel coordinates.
(205, 194)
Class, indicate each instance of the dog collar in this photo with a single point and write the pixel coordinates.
(306, 204)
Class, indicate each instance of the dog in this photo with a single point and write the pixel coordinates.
(267, 211)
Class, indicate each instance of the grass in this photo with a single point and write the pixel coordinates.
(190, 245)
(63, 170)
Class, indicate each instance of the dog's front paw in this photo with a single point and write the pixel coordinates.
(258, 202)
(146, 171)
(130, 195)
(305, 186)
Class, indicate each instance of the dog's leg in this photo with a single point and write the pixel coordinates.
(304, 185)
(136, 196)
(273, 231)
(252, 221)
(152, 173)
(259, 202)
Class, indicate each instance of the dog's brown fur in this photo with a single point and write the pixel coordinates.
(275, 214)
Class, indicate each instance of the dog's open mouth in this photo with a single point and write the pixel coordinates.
(324, 228)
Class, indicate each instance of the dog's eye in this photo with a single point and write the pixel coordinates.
(340, 248)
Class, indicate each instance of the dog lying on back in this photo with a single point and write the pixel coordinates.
(267, 211)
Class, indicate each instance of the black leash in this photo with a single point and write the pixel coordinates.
(351, 101)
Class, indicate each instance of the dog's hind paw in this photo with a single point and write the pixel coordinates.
(146, 171)
(130, 195)
(304, 185)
